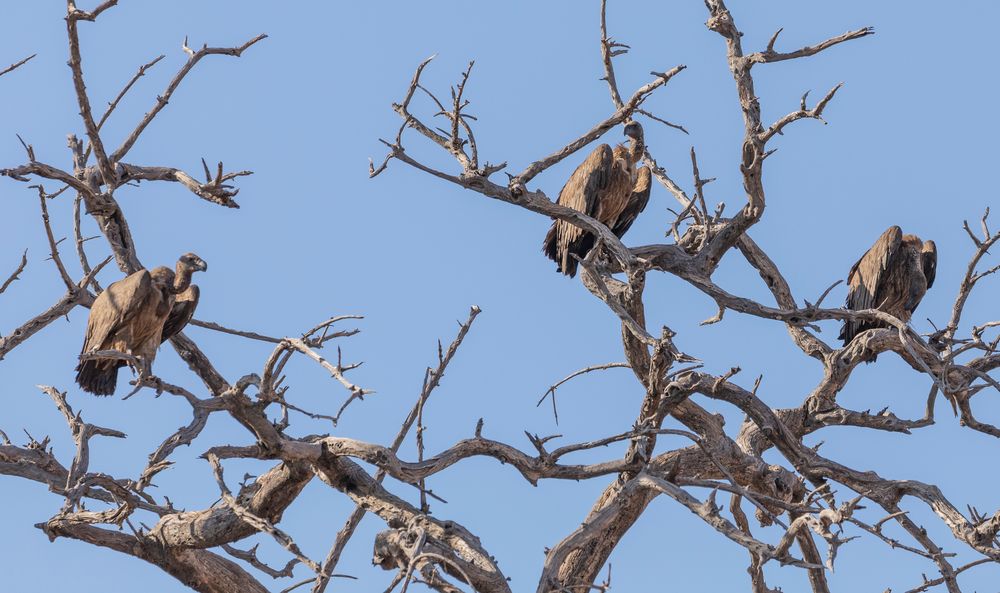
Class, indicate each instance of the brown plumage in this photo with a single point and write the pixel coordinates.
(892, 276)
(181, 313)
(606, 186)
(129, 317)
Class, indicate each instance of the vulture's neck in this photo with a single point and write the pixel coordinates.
(636, 146)
(182, 279)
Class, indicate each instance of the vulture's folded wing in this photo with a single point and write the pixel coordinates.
(928, 261)
(115, 306)
(583, 190)
(868, 279)
(181, 313)
(636, 203)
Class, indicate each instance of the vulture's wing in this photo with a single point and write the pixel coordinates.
(636, 203)
(590, 178)
(928, 262)
(182, 312)
(117, 304)
(583, 190)
(583, 193)
(867, 279)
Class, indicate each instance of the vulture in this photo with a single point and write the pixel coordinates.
(606, 186)
(134, 316)
(892, 276)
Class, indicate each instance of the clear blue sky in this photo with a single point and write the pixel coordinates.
(910, 141)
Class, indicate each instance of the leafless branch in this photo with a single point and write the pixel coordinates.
(17, 273)
(16, 65)
(54, 250)
(250, 557)
(433, 379)
(83, 101)
(769, 55)
(139, 74)
(215, 189)
(235, 332)
(67, 302)
(257, 522)
(164, 98)
(765, 463)
(552, 389)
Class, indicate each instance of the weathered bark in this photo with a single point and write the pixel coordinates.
(445, 554)
(201, 570)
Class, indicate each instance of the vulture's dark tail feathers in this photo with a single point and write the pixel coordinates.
(549, 244)
(580, 248)
(98, 376)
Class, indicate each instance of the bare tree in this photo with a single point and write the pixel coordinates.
(814, 500)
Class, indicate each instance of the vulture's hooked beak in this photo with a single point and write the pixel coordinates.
(193, 262)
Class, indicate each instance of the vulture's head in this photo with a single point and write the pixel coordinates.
(928, 261)
(633, 130)
(193, 262)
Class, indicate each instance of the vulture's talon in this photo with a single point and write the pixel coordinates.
(157, 383)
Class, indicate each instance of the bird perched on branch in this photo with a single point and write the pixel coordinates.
(134, 316)
(892, 276)
(606, 186)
